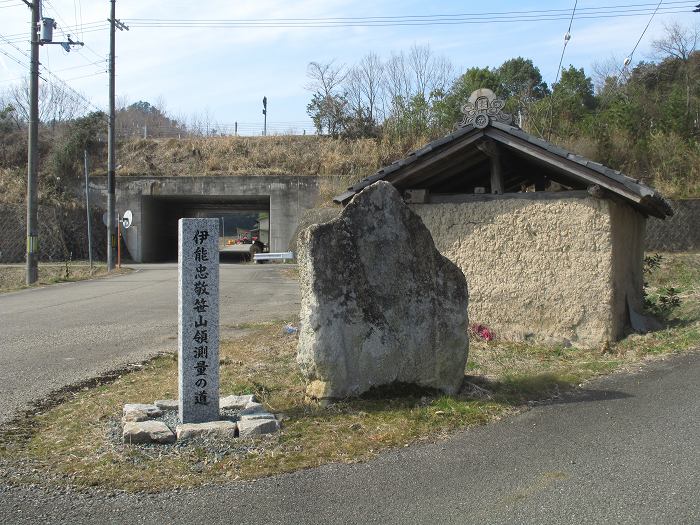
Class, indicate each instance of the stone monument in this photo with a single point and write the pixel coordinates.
(198, 320)
(379, 304)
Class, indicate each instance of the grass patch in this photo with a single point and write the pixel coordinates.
(78, 442)
(12, 277)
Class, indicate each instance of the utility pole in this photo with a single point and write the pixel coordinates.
(32, 272)
(114, 24)
(33, 151)
(87, 206)
(265, 114)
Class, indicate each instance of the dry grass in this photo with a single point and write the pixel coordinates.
(12, 277)
(275, 155)
(78, 442)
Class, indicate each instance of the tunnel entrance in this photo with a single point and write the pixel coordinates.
(238, 216)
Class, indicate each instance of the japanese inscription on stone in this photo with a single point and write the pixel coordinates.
(198, 313)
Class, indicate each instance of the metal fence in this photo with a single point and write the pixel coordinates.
(62, 233)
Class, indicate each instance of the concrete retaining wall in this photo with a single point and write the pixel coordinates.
(544, 268)
(680, 233)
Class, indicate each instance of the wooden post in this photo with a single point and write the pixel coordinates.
(119, 244)
(496, 174)
(490, 149)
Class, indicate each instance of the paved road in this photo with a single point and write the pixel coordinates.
(57, 335)
(625, 450)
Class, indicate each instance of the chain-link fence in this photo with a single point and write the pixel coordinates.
(63, 233)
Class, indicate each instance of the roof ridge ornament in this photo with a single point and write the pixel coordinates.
(482, 107)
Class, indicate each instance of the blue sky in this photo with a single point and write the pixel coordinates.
(221, 74)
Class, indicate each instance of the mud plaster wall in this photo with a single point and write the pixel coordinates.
(542, 268)
(628, 232)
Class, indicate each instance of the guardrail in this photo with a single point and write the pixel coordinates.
(283, 256)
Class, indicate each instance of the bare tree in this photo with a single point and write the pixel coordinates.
(397, 82)
(328, 106)
(363, 88)
(430, 72)
(354, 91)
(325, 78)
(370, 71)
(678, 42)
(603, 71)
(56, 103)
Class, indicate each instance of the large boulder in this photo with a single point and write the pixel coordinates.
(310, 217)
(379, 304)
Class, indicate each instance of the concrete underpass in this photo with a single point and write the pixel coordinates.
(157, 203)
(159, 216)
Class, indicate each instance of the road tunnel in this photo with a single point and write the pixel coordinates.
(238, 215)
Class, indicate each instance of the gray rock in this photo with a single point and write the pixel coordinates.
(221, 429)
(166, 404)
(256, 427)
(235, 402)
(310, 217)
(261, 415)
(252, 408)
(135, 415)
(379, 304)
(150, 410)
(147, 432)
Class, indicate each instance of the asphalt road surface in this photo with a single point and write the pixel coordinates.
(62, 334)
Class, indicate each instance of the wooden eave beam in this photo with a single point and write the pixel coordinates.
(437, 174)
(430, 161)
(563, 165)
(456, 169)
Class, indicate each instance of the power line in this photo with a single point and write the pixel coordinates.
(23, 64)
(643, 33)
(69, 29)
(63, 83)
(601, 12)
(437, 16)
(418, 20)
(567, 37)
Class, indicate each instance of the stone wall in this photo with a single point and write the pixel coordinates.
(543, 267)
(680, 233)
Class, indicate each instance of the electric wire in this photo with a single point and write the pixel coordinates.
(567, 37)
(600, 12)
(644, 31)
(58, 79)
(459, 18)
(66, 33)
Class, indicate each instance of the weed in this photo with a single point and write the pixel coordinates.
(666, 299)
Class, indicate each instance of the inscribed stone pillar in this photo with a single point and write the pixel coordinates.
(198, 320)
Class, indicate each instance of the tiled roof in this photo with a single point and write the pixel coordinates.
(641, 195)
